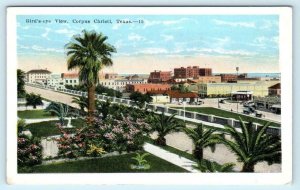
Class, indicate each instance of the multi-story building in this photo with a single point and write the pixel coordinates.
(144, 88)
(159, 76)
(205, 72)
(228, 77)
(259, 88)
(70, 79)
(111, 76)
(54, 80)
(120, 84)
(189, 72)
(38, 76)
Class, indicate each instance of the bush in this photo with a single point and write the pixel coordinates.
(109, 136)
(29, 151)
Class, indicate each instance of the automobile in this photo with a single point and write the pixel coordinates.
(258, 114)
(200, 102)
(248, 103)
(246, 111)
(222, 101)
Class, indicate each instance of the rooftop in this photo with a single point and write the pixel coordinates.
(175, 93)
(44, 71)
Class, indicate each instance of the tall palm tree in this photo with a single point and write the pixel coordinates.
(89, 53)
(164, 125)
(202, 139)
(252, 146)
(21, 83)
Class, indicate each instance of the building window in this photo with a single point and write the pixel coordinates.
(66, 81)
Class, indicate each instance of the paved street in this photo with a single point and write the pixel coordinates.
(213, 102)
(51, 95)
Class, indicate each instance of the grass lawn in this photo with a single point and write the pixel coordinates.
(113, 164)
(228, 114)
(48, 128)
(34, 114)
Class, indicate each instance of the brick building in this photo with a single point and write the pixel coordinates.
(159, 76)
(188, 72)
(205, 72)
(144, 88)
(228, 77)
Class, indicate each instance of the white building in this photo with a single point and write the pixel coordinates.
(55, 80)
(120, 84)
(38, 76)
(70, 79)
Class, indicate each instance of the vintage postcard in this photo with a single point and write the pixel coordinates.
(149, 95)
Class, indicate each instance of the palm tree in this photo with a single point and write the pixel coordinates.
(202, 139)
(61, 110)
(33, 100)
(21, 83)
(81, 101)
(104, 108)
(253, 146)
(206, 166)
(89, 53)
(164, 125)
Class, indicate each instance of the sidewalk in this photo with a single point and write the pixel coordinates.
(170, 157)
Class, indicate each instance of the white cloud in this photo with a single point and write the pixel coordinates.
(46, 33)
(42, 49)
(220, 51)
(116, 26)
(221, 42)
(235, 24)
(263, 41)
(67, 32)
(148, 23)
(153, 51)
(167, 37)
(268, 24)
(135, 37)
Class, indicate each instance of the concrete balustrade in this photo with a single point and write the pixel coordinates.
(193, 115)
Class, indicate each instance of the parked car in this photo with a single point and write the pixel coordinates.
(246, 111)
(258, 114)
(200, 102)
(248, 104)
(222, 101)
(249, 110)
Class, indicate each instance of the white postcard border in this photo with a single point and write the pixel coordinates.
(285, 61)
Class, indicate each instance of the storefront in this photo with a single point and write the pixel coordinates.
(242, 95)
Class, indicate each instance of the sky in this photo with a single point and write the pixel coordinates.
(221, 42)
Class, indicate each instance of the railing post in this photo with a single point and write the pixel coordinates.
(166, 109)
(211, 118)
(230, 122)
